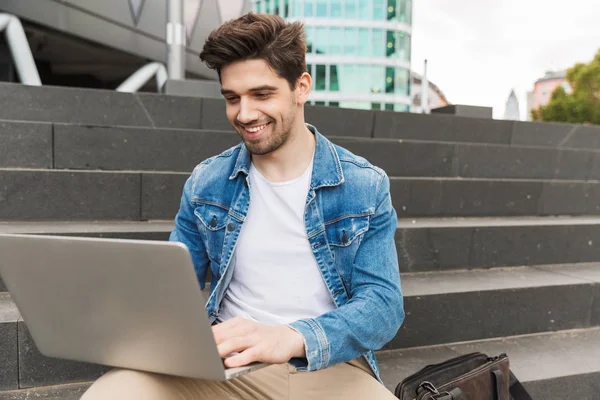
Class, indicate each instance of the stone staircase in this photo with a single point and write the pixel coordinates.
(498, 234)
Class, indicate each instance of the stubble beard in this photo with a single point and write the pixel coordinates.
(278, 137)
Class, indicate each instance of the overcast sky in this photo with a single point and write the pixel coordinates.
(478, 50)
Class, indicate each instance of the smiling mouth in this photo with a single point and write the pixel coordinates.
(256, 129)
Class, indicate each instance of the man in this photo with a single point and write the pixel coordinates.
(298, 234)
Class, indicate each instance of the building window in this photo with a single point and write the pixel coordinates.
(401, 107)
(268, 6)
(390, 43)
(389, 80)
(310, 38)
(389, 107)
(334, 80)
(402, 82)
(403, 46)
(379, 10)
(363, 42)
(365, 9)
(350, 11)
(336, 41)
(391, 10)
(362, 83)
(320, 78)
(336, 8)
(334, 103)
(347, 77)
(296, 8)
(322, 8)
(359, 105)
(322, 40)
(378, 43)
(405, 11)
(377, 82)
(308, 8)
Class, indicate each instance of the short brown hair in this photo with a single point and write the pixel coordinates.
(259, 36)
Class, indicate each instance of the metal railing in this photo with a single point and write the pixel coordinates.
(143, 75)
(28, 73)
(20, 50)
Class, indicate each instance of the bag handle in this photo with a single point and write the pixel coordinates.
(499, 380)
(434, 394)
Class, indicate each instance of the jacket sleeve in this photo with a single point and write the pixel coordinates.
(186, 231)
(375, 311)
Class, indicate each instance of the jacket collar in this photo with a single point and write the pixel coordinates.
(327, 169)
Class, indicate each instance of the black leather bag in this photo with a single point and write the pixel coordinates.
(473, 376)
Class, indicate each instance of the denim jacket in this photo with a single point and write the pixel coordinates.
(350, 225)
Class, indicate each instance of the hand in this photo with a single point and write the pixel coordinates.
(257, 342)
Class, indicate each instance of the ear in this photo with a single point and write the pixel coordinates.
(303, 87)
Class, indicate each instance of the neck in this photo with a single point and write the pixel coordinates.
(290, 160)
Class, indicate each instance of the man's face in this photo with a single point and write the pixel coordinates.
(260, 105)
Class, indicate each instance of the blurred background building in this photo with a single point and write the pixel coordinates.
(512, 111)
(543, 88)
(436, 97)
(98, 44)
(359, 50)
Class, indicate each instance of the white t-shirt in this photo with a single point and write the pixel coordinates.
(276, 279)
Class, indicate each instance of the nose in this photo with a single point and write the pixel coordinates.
(247, 113)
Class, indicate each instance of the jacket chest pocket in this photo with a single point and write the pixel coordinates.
(344, 236)
(212, 222)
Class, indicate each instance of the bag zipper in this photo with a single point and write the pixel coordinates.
(494, 360)
(434, 367)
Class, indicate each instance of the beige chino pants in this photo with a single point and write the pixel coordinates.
(352, 381)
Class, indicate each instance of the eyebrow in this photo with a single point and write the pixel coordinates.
(255, 89)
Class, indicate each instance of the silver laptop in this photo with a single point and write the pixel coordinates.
(125, 303)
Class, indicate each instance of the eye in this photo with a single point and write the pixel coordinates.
(262, 95)
(231, 100)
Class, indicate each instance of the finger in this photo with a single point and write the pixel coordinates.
(236, 344)
(246, 357)
(230, 329)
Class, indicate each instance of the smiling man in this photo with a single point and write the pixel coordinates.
(298, 234)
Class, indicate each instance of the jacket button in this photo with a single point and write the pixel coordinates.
(344, 237)
(213, 222)
(230, 226)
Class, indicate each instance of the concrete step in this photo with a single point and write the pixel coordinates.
(459, 197)
(441, 308)
(143, 195)
(68, 391)
(558, 365)
(422, 244)
(438, 127)
(68, 146)
(412, 158)
(103, 107)
(472, 243)
(455, 306)
(39, 194)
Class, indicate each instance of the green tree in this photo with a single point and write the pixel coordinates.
(582, 105)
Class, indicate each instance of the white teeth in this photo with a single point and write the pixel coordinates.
(256, 128)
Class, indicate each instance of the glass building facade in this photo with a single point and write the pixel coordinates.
(358, 50)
